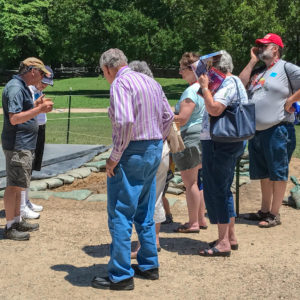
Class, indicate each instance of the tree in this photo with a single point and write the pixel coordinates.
(23, 31)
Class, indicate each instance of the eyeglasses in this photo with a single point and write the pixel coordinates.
(184, 68)
(263, 45)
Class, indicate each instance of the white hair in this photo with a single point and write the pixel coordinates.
(113, 58)
(141, 67)
(225, 63)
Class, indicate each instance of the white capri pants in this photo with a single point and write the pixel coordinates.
(161, 177)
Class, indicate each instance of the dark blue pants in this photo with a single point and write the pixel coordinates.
(131, 198)
(218, 164)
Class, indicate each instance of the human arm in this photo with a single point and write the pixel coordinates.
(122, 118)
(289, 102)
(214, 108)
(44, 106)
(167, 116)
(186, 109)
(246, 73)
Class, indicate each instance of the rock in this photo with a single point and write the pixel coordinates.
(38, 185)
(54, 182)
(174, 191)
(40, 195)
(80, 172)
(67, 179)
(75, 195)
(97, 198)
(96, 164)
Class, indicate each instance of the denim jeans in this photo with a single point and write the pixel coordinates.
(131, 198)
(218, 164)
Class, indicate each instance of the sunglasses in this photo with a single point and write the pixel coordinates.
(263, 45)
(185, 68)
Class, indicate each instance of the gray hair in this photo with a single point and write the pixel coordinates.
(225, 63)
(141, 67)
(113, 58)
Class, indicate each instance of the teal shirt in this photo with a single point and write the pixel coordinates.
(197, 115)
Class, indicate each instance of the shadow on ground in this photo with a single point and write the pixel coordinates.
(81, 276)
(97, 250)
(183, 245)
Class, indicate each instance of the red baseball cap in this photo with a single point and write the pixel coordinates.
(270, 38)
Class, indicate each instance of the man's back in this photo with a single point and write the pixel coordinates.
(16, 98)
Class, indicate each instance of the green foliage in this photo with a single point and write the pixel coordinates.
(75, 33)
(23, 31)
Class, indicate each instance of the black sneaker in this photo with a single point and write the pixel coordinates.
(104, 283)
(151, 274)
(169, 219)
(25, 226)
(13, 234)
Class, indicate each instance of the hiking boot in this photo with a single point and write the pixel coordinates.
(13, 234)
(25, 226)
(27, 213)
(34, 207)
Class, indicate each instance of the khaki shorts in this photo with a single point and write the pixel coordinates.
(18, 167)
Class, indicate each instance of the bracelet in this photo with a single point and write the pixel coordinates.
(205, 89)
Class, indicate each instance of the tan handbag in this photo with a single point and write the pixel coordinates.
(174, 139)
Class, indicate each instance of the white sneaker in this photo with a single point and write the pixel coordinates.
(27, 213)
(34, 207)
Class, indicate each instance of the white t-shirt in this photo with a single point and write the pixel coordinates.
(226, 94)
(41, 118)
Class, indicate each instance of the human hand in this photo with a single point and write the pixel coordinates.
(110, 165)
(47, 105)
(203, 80)
(288, 106)
(254, 54)
(39, 100)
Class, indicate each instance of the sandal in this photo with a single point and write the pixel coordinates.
(258, 216)
(214, 243)
(184, 229)
(270, 221)
(203, 227)
(215, 252)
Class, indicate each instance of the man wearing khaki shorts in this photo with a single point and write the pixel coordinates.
(19, 140)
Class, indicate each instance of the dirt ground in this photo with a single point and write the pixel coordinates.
(72, 246)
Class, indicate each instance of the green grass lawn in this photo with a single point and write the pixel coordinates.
(92, 129)
(93, 92)
(85, 128)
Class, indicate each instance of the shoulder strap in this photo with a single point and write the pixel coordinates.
(237, 89)
(287, 75)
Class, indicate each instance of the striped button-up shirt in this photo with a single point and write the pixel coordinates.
(139, 110)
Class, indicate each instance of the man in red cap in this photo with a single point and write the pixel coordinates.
(273, 88)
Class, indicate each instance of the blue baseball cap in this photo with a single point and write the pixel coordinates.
(48, 79)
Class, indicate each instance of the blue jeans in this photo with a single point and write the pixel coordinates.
(270, 152)
(131, 198)
(218, 164)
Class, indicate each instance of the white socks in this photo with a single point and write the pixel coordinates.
(10, 223)
(23, 200)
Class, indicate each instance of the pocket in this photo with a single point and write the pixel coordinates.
(282, 133)
(22, 159)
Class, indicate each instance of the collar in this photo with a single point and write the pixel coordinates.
(122, 71)
(18, 77)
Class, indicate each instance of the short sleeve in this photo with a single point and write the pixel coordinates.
(189, 93)
(15, 101)
(293, 72)
(225, 94)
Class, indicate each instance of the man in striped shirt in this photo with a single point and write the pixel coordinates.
(141, 118)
